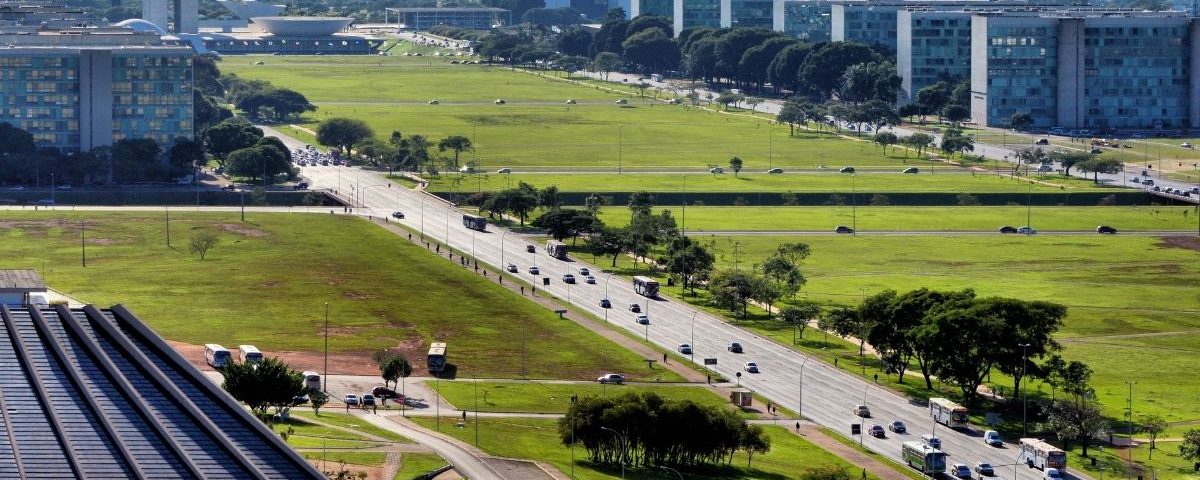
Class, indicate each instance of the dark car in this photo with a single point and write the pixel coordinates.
(911, 170)
(530, 249)
(843, 229)
(635, 308)
(381, 391)
(847, 170)
(877, 431)
(605, 303)
(734, 347)
(568, 278)
(1008, 229)
(301, 186)
(1105, 229)
(397, 214)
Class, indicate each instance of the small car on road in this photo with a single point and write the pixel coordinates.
(984, 469)
(530, 248)
(877, 431)
(1053, 474)
(612, 378)
(911, 170)
(847, 170)
(751, 367)
(960, 470)
(734, 347)
(643, 320)
(992, 437)
(685, 349)
(1008, 229)
(397, 214)
(351, 399)
(605, 303)
(775, 170)
(897, 427)
(584, 271)
(533, 270)
(367, 400)
(512, 268)
(635, 308)
(1105, 229)
(1027, 230)
(843, 229)
(862, 411)
(568, 278)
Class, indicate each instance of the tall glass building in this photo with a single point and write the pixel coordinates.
(76, 97)
(872, 24)
(807, 20)
(1014, 62)
(752, 13)
(931, 46)
(1136, 72)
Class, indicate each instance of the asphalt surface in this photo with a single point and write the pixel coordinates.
(819, 392)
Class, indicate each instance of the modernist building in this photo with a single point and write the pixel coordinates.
(184, 15)
(292, 35)
(85, 88)
(931, 45)
(482, 18)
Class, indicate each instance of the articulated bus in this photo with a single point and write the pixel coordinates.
(948, 413)
(436, 360)
(645, 286)
(1036, 453)
(930, 461)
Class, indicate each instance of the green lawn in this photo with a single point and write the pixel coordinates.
(347, 421)
(811, 181)
(351, 458)
(536, 126)
(414, 464)
(539, 397)
(267, 280)
(538, 439)
(921, 218)
(1132, 301)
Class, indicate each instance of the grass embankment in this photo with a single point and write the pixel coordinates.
(413, 464)
(922, 218)
(539, 440)
(540, 397)
(267, 279)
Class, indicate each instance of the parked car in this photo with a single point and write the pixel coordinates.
(605, 303)
(1105, 229)
(984, 469)
(862, 411)
(775, 170)
(300, 399)
(612, 378)
(635, 308)
(533, 270)
(751, 367)
(568, 278)
(847, 170)
(367, 400)
(530, 248)
(734, 347)
(877, 431)
(381, 391)
(1008, 229)
(643, 320)
(397, 214)
(843, 229)
(897, 427)
(351, 399)
(1027, 230)
(992, 437)
(512, 268)
(960, 470)
(685, 349)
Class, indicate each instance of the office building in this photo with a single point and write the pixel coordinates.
(808, 20)
(79, 89)
(931, 46)
(871, 23)
(424, 18)
(183, 15)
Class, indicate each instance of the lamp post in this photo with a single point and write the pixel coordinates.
(325, 372)
(1029, 209)
(52, 188)
(736, 245)
(422, 215)
(676, 472)
(476, 385)
(1024, 398)
(502, 234)
(621, 436)
(693, 344)
(1129, 423)
(800, 411)
(620, 143)
(853, 205)
(437, 401)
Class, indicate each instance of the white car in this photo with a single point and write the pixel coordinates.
(351, 399)
(685, 349)
(612, 378)
(960, 470)
(751, 367)
(1053, 474)
(589, 279)
(643, 320)
(992, 437)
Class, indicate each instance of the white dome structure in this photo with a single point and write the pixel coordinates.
(302, 26)
(140, 26)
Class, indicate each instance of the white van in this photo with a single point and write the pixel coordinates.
(312, 381)
(250, 354)
(216, 356)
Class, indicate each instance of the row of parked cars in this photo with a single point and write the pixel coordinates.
(378, 394)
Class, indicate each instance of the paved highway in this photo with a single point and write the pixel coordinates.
(814, 389)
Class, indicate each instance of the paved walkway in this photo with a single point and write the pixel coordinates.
(818, 437)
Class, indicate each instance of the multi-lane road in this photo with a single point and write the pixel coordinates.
(812, 388)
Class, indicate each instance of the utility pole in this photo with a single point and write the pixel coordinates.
(620, 142)
(167, 211)
(325, 373)
(1024, 398)
(82, 243)
(1129, 423)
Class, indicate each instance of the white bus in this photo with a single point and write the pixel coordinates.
(250, 354)
(1036, 453)
(948, 413)
(930, 461)
(312, 381)
(217, 356)
(645, 286)
(436, 361)
(556, 249)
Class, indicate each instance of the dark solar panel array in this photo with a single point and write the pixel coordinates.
(89, 394)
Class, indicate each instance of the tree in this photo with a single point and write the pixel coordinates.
(933, 98)
(953, 141)
(1020, 120)
(823, 69)
(230, 135)
(552, 17)
(574, 41)
(281, 102)
(608, 242)
(201, 243)
(755, 65)
(269, 383)
(1075, 420)
(394, 369)
(825, 472)
(456, 143)
(798, 315)
(1189, 448)
(956, 113)
(754, 439)
(652, 50)
(732, 289)
(1031, 323)
(644, 22)
(1069, 159)
(258, 162)
(792, 114)
(562, 223)
(206, 112)
(1153, 425)
(870, 81)
(610, 37)
(918, 141)
(735, 164)
(640, 203)
(689, 260)
(317, 399)
(784, 70)
(519, 201)
(343, 133)
(605, 63)
(185, 154)
(885, 139)
(1096, 166)
(962, 339)
(726, 98)
(135, 160)
(548, 198)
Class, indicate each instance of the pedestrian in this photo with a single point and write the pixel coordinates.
(876, 378)
(522, 290)
(347, 408)
(438, 248)
(409, 236)
(709, 380)
(835, 360)
(375, 409)
(464, 415)
(797, 426)
(768, 407)
(664, 357)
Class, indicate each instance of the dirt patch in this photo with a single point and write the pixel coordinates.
(373, 473)
(358, 296)
(341, 363)
(243, 230)
(1186, 243)
(101, 241)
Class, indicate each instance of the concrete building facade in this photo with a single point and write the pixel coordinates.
(424, 18)
(931, 46)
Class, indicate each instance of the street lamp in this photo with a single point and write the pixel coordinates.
(502, 234)
(325, 373)
(664, 467)
(1024, 398)
(622, 437)
(693, 344)
(800, 411)
(853, 205)
(1129, 423)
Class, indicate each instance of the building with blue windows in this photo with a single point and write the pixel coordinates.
(76, 90)
(871, 23)
(931, 46)
(808, 20)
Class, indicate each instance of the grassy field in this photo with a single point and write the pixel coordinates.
(346, 421)
(536, 126)
(413, 464)
(538, 439)
(351, 458)
(922, 218)
(831, 181)
(1132, 300)
(266, 281)
(537, 397)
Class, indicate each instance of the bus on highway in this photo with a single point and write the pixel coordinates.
(474, 222)
(1036, 453)
(645, 286)
(948, 413)
(556, 249)
(436, 360)
(930, 461)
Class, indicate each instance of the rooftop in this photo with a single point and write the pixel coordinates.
(26, 279)
(91, 393)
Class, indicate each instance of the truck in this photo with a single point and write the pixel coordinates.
(1036, 453)
(948, 413)
(556, 249)
(436, 360)
(474, 222)
(930, 461)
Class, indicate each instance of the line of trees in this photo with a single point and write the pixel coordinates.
(129, 160)
(643, 429)
(357, 141)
